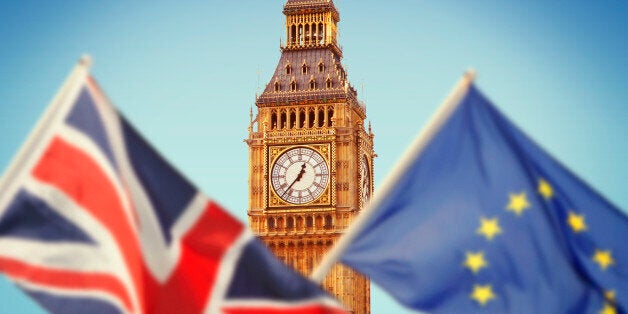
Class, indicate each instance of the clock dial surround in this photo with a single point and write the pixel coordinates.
(299, 175)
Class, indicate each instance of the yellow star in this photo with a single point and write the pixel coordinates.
(603, 258)
(482, 294)
(475, 261)
(608, 309)
(489, 228)
(609, 295)
(576, 222)
(545, 189)
(518, 203)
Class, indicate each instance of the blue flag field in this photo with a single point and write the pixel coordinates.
(485, 221)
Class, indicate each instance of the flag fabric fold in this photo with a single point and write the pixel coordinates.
(484, 220)
(94, 220)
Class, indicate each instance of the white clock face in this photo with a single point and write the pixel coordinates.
(300, 175)
(365, 179)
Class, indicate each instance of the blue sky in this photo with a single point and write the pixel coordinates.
(186, 76)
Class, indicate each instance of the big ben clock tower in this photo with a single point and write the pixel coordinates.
(310, 155)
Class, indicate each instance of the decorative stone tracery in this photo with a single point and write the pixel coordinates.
(310, 103)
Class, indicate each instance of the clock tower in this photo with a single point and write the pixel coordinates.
(310, 154)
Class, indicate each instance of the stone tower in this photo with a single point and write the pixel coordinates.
(310, 155)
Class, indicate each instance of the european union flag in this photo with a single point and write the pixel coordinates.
(484, 220)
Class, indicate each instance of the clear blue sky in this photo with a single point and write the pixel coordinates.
(186, 75)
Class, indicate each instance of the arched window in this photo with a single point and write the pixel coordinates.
(309, 221)
(304, 69)
(301, 118)
(328, 83)
(277, 87)
(288, 69)
(312, 84)
(290, 223)
(270, 222)
(328, 222)
(314, 34)
(300, 34)
(293, 85)
(312, 118)
(273, 120)
(299, 222)
(330, 115)
(307, 34)
(293, 119)
(321, 117)
(293, 34)
(321, 67)
(284, 121)
(321, 34)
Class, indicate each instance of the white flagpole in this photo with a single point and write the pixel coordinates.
(33, 140)
(414, 150)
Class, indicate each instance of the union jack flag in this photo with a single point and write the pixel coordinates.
(93, 220)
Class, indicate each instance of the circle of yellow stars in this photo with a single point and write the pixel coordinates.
(517, 204)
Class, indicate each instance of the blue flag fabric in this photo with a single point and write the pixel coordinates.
(485, 221)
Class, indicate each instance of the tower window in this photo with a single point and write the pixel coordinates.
(301, 118)
(293, 86)
(277, 87)
(330, 115)
(321, 33)
(321, 67)
(328, 222)
(293, 34)
(314, 34)
(311, 118)
(271, 223)
(328, 83)
(273, 120)
(283, 120)
(304, 69)
(312, 84)
(293, 119)
(288, 69)
(309, 221)
(321, 118)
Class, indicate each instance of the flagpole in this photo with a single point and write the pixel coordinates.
(33, 140)
(415, 149)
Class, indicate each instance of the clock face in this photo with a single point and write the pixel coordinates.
(365, 180)
(300, 175)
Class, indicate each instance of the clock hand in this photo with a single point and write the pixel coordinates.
(298, 178)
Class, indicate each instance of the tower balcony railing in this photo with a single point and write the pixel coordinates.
(293, 96)
(301, 132)
(297, 224)
(286, 231)
(310, 44)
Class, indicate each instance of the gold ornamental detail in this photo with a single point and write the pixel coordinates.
(277, 202)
